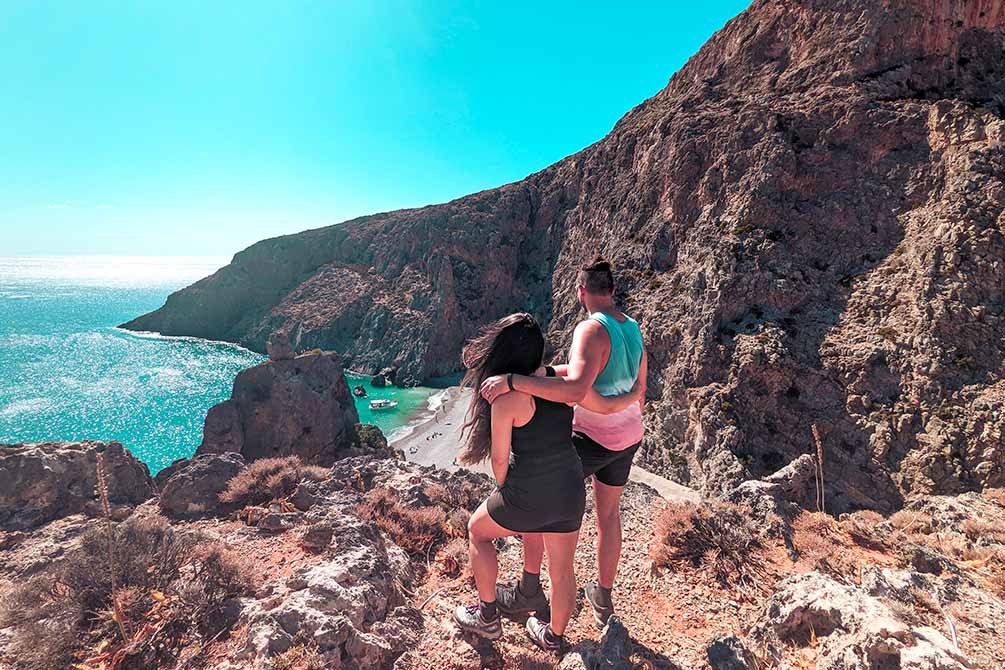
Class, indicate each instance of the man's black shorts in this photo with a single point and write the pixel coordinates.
(609, 467)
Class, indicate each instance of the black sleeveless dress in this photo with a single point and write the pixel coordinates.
(543, 491)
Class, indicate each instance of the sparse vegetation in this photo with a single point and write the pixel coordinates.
(414, 528)
(269, 479)
(862, 528)
(301, 656)
(716, 535)
(171, 592)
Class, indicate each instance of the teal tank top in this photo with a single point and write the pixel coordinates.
(622, 368)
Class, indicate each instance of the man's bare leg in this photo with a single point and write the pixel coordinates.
(526, 596)
(607, 501)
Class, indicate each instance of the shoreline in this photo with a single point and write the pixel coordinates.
(436, 440)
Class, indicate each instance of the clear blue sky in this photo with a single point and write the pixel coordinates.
(189, 128)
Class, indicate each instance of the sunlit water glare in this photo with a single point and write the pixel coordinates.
(67, 373)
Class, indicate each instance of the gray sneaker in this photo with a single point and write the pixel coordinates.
(601, 613)
(511, 600)
(541, 634)
(469, 618)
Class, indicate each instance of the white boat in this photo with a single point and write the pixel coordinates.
(382, 403)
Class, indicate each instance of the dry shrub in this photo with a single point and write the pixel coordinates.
(817, 537)
(995, 495)
(715, 534)
(861, 527)
(171, 590)
(917, 523)
(301, 656)
(415, 529)
(453, 558)
(980, 530)
(269, 479)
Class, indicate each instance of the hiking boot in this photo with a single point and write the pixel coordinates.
(541, 634)
(469, 618)
(511, 600)
(596, 598)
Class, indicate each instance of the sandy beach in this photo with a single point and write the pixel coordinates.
(436, 441)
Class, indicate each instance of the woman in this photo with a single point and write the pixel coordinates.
(538, 471)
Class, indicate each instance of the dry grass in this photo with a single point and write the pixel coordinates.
(415, 529)
(913, 522)
(719, 536)
(982, 531)
(303, 656)
(269, 479)
(817, 538)
(171, 591)
(862, 528)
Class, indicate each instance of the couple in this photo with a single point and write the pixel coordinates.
(546, 429)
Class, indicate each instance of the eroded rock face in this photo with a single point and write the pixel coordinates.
(46, 481)
(293, 407)
(855, 630)
(808, 223)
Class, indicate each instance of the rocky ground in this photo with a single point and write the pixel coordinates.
(339, 580)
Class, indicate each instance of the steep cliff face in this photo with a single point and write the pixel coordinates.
(808, 222)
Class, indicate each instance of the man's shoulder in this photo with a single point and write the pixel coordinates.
(588, 327)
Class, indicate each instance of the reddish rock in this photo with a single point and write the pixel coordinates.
(808, 223)
(295, 407)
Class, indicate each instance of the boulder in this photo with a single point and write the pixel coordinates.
(317, 537)
(279, 347)
(729, 653)
(351, 605)
(45, 481)
(854, 630)
(611, 653)
(194, 486)
(295, 407)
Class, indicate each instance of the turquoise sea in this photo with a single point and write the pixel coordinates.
(67, 373)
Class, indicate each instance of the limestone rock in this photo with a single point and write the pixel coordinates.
(855, 631)
(335, 604)
(194, 486)
(296, 407)
(45, 481)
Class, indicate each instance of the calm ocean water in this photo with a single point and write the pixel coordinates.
(66, 372)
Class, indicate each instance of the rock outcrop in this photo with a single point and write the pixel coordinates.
(289, 407)
(46, 481)
(194, 487)
(807, 221)
(855, 630)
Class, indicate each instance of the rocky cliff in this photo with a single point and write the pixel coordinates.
(808, 222)
(298, 406)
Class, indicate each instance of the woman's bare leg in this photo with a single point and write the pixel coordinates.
(482, 552)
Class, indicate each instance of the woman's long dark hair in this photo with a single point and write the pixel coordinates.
(514, 344)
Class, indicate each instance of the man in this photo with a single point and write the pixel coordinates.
(607, 353)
